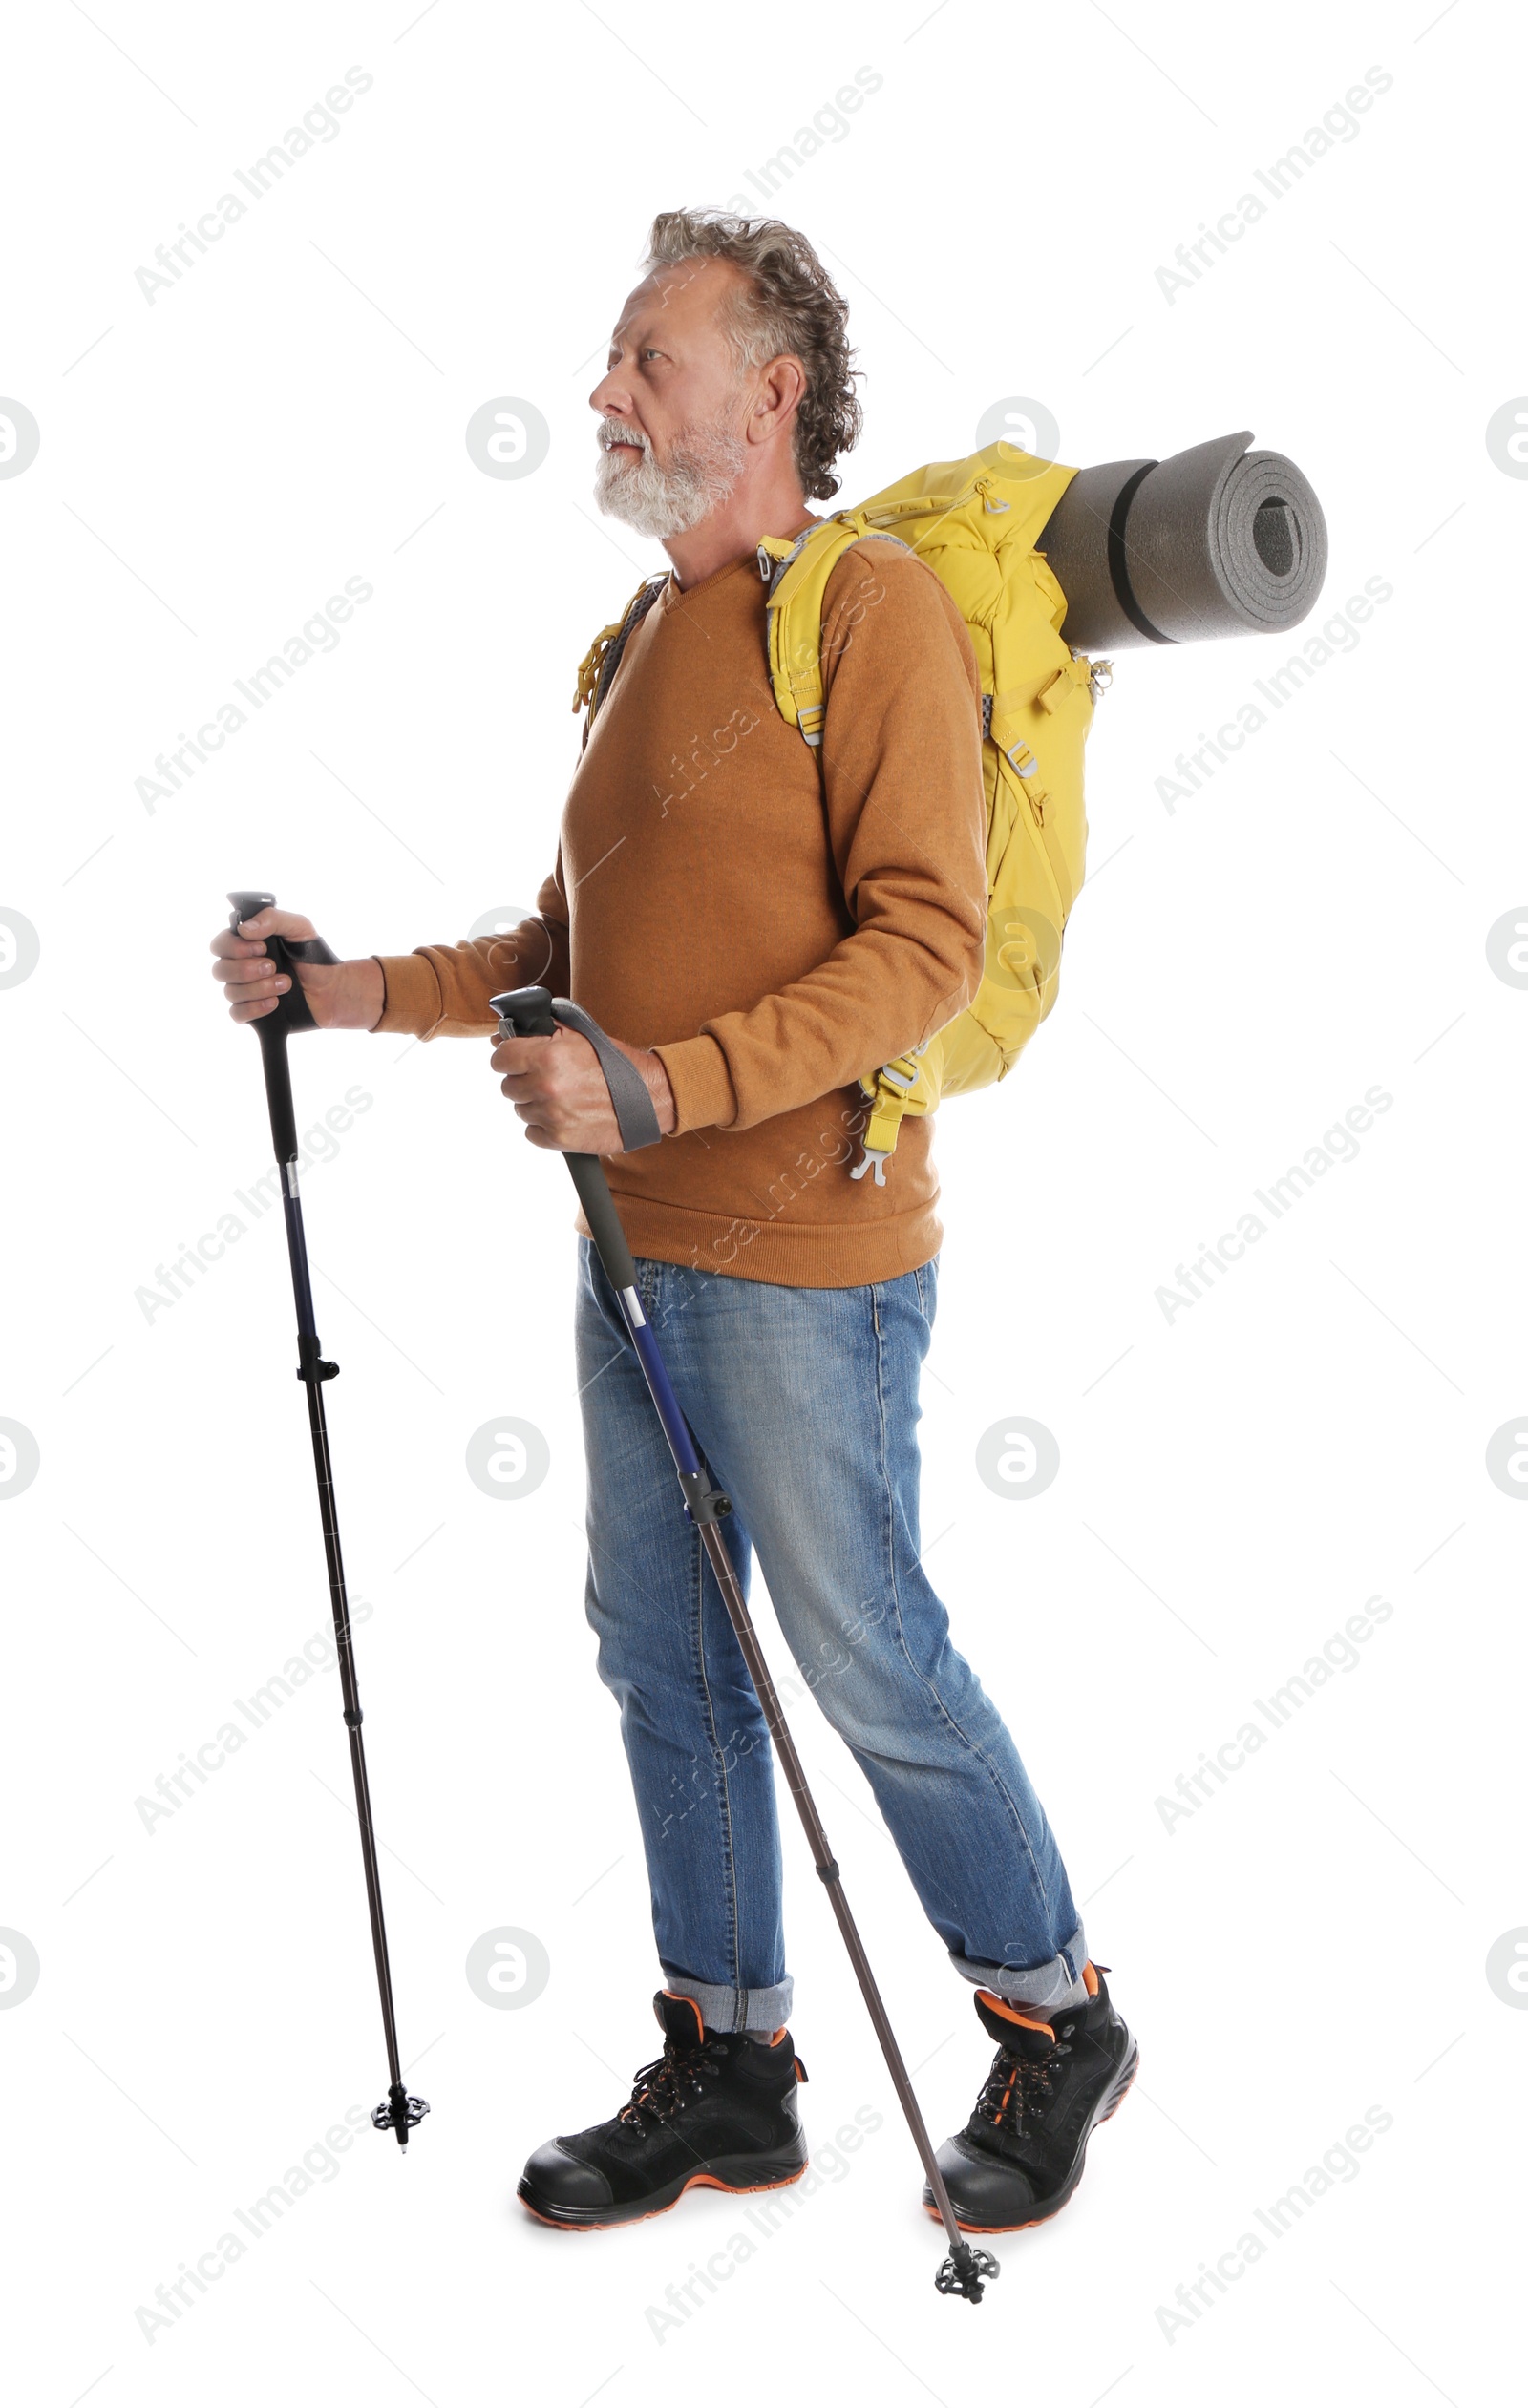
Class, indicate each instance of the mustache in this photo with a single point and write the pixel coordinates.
(614, 431)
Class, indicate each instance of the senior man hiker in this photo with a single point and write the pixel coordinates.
(759, 924)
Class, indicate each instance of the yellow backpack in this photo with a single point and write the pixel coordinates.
(974, 522)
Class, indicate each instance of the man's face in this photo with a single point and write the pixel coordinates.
(671, 402)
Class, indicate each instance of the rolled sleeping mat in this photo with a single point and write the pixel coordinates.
(1215, 542)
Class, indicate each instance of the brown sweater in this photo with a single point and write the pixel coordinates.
(775, 920)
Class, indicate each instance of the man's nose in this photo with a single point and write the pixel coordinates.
(611, 398)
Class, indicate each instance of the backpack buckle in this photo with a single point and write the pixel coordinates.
(903, 1072)
(872, 1159)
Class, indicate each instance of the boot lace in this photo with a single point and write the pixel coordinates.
(1017, 2089)
(669, 2084)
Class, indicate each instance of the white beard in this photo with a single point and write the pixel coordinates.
(705, 465)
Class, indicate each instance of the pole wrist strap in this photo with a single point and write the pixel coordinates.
(635, 1115)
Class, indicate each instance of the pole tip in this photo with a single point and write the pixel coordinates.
(399, 2113)
(966, 2271)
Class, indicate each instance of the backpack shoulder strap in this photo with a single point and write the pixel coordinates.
(603, 659)
(797, 574)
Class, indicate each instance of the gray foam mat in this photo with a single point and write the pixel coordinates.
(1216, 540)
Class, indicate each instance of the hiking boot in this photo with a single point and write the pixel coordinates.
(1021, 2156)
(717, 2108)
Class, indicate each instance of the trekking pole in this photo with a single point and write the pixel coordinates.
(398, 2112)
(532, 1012)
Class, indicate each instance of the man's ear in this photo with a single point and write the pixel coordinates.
(776, 399)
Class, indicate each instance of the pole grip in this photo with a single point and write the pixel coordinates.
(528, 1012)
(278, 1087)
(605, 1221)
(291, 1014)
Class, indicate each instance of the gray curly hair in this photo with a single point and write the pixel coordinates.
(790, 304)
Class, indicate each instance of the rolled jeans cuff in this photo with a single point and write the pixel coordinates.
(724, 2010)
(1056, 1983)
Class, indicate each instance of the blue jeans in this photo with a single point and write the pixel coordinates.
(804, 1404)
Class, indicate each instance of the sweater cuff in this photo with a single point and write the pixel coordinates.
(411, 1001)
(703, 1096)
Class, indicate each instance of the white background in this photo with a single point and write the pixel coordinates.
(1234, 1482)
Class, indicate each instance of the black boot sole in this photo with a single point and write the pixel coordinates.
(718, 2173)
(1108, 2104)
